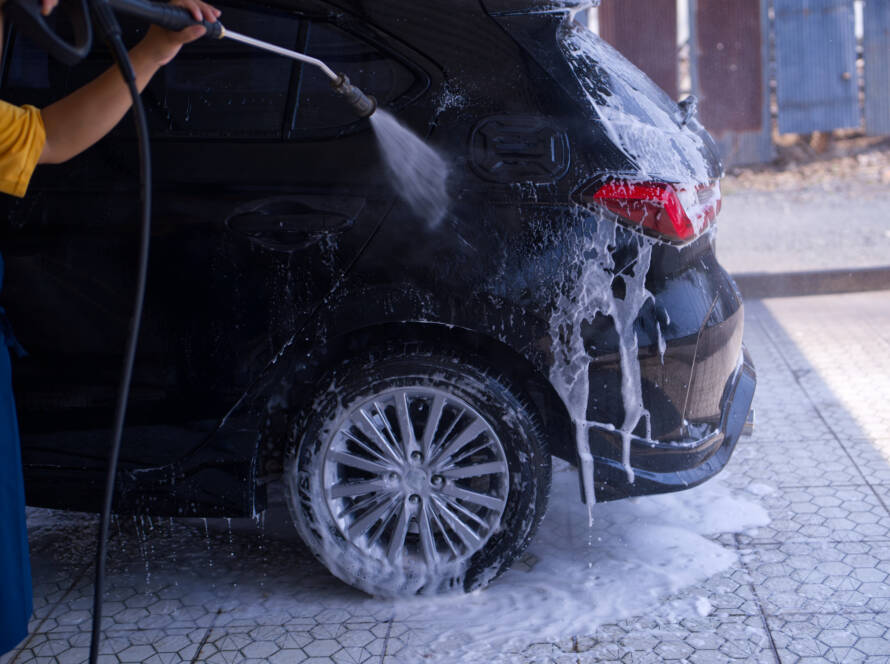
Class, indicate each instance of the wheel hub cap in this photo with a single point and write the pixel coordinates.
(416, 480)
(416, 476)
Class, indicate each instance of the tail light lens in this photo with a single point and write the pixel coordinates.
(672, 213)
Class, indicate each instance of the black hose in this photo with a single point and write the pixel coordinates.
(109, 28)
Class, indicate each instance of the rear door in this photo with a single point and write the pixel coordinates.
(266, 188)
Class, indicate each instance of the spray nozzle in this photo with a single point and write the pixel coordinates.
(364, 105)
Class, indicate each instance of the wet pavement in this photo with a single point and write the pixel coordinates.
(842, 226)
(810, 584)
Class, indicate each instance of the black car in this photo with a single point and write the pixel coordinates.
(406, 377)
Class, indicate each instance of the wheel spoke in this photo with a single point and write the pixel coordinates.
(353, 489)
(434, 450)
(353, 461)
(467, 453)
(409, 442)
(367, 426)
(359, 506)
(432, 423)
(397, 541)
(466, 436)
(462, 472)
(384, 521)
(454, 505)
(427, 541)
(396, 445)
(467, 535)
(490, 502)
(374, 453)
(360, 527)
(434, 514)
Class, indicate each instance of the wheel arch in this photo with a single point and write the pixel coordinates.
(255, 437)
(518, 368)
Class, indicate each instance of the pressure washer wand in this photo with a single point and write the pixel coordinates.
(363, 104)
(176, 18)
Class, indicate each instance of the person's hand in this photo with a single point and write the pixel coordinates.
(46, 6)
(161, 45)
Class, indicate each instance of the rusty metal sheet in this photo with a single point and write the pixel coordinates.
(816, 65)
(731, 78)
(730, 67)
(877, 67)
(645, 31)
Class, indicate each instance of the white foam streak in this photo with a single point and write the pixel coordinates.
(636, 115)
(592, 294)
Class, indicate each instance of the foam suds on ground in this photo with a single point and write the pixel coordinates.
(574, 579)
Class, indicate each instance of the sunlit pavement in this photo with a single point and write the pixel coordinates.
(811, 586)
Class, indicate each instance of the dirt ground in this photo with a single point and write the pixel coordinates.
(818, 160)
(824, 204)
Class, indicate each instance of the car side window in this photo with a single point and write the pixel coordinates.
(373, 71)
(217, 88)
(222, 88)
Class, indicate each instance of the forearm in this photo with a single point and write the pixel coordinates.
(77, 121)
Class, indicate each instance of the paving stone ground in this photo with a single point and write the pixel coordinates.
(811, 586)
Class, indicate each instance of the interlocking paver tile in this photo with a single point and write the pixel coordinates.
(709, 639)
(872, 458)
(136, 653)
(848, 380)
(73, 656)
(259, 649)
(797, 577)
(789, 464)
(288, 656)
(165, 658)
(852, 637)
(848, 513)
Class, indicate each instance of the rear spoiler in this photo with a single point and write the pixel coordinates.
(506, 7)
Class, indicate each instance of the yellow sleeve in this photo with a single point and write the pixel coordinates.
(22, 136)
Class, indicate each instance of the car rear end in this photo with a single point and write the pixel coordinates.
(645, 164)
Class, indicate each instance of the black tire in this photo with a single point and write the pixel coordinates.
(495, 484)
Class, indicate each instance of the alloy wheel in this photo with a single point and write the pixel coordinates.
(416, 477)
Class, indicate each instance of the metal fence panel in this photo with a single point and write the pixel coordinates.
(729, 65)
(645, 31)
(730, 76)
(816, 65)
(877, 67)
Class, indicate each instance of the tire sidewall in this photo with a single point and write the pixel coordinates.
(465, 377)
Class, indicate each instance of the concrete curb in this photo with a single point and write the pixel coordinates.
(758, 285)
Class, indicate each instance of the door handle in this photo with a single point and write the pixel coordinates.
(259, 222)
(289, 224)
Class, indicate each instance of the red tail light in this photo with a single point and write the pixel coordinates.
(672, 213)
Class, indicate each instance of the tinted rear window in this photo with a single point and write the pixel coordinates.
(636, 114)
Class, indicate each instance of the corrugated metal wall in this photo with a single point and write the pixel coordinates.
(731, 76)
(877, 67)
(730, 71)
(645, 31)
(816, 80)
(813, 58)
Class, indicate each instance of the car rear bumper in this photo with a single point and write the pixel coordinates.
(665, 466)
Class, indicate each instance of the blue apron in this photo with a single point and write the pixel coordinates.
(16, 599)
